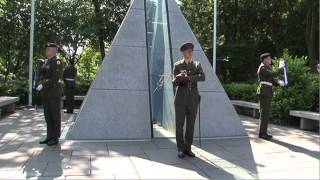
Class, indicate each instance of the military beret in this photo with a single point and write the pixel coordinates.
(264, 55)
(51, 45)
(186, 46)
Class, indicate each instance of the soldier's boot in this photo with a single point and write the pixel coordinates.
(181, 154)
(265, 136)
(189, 153)
(45, 141)
(53, 142)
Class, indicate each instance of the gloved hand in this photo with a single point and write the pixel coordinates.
(182, 77)
(39, 88)
(281, 83)
(281, 64)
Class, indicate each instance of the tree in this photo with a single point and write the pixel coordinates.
(108, 17)
(14, 35)
(67, 23)
(247, 28)
(312, 33)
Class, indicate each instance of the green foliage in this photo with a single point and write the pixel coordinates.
(14, 35)
(87, 69)
(242, 91)
(16, 86)
(302, 93)
(72, 24)
(248, 28)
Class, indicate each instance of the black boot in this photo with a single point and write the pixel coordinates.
(45, 141)
(53, 142)
(181, 154)
(265, 136)
(189, 153)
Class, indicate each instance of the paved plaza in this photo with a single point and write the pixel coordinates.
(292, 154)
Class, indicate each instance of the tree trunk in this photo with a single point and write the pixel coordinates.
(99, 32)
(311, 26)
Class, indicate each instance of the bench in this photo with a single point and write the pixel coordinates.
(7, 104)
(308, 120)
(246, 108)
(76, 98)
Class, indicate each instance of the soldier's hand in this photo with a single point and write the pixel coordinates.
(39, 88)
(281, 83)
(281, 65)
(182, 77)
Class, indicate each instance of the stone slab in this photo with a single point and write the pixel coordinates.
(132, 31)
(124, 68)
(113, 114)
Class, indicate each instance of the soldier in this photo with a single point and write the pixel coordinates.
(187, 73)
(267, 78)
(51, 92)
(69, 77)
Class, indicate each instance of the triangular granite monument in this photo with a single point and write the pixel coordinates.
(117, 106)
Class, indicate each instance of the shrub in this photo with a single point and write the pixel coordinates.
(242, 91)
(15, 86)
(302, 93)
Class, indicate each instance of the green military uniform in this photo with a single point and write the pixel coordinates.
(69, 77)
(267, 78)
(186, 101)
(50, 75)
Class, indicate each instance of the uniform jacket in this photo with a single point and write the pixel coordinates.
(187, 92)
(50, 75)
(265, 73)
(69, 76)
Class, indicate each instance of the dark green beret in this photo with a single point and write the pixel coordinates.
(186, 46)
(264, 55)
(51, 45)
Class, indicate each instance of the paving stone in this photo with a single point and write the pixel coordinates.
(165, 156)
(12, 162)
(125, 150)
(177, 171)
(77, 166)
(53, 169)
(101, 177)
(52, 156)
(34, 169)
(165, 143)
(127, 176)
(292, 154)
(140, 161)
(111, 165)
(11, 174)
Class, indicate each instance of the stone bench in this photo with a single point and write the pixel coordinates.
(246, 108)
(76, 98)
(308, 120)
(7, 104)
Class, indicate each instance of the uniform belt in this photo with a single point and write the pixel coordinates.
(266, 83)
(69, 79)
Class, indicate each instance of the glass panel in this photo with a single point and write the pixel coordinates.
(160, 68)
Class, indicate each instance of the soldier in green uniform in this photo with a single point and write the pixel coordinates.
(186, 74)
(267, 79)
(51, 91)
(69, 77)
